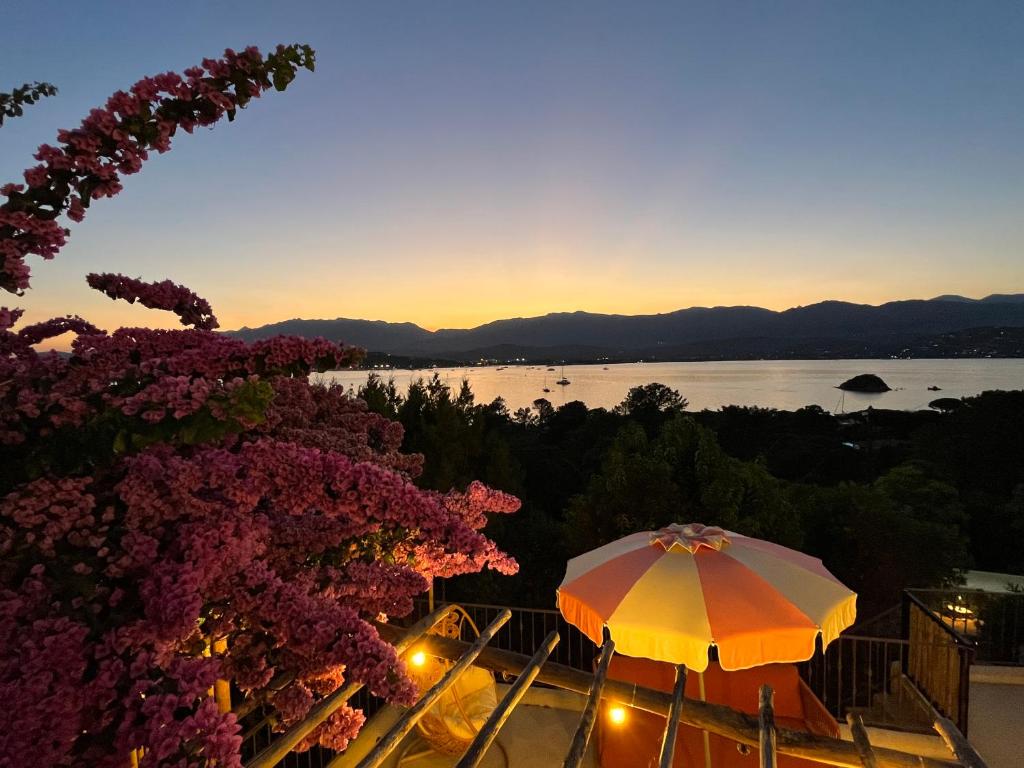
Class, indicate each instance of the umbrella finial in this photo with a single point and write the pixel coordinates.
(689, 537)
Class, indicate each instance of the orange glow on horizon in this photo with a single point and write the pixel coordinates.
(435, 291)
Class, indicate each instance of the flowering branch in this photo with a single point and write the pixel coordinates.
(190, 308)
(117, 139)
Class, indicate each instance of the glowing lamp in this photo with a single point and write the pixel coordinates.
(617, 715)
(418, 659)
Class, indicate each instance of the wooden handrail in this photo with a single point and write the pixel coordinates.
(501, 713)
(465, 658)
(958, 744)
(581, 738)
(861, 740)
(668, 739)
(714, 718)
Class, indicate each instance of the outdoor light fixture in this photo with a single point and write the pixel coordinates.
(617, 715)
(418, 659)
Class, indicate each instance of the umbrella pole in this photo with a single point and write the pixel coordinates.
(707, 738)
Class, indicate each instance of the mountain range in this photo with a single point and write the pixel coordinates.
(825, 329)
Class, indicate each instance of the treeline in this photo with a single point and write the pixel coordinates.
(887, 499)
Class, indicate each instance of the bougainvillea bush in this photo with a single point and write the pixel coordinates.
(165, 492)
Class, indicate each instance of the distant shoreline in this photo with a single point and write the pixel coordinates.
(778, 384)
(441, 363)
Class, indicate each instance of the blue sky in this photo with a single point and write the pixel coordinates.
(451, 163)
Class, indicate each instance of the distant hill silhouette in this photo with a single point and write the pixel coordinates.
(826, 329)
(994, 298)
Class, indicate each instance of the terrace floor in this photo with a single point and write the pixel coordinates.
(537, 735)
(996, 727)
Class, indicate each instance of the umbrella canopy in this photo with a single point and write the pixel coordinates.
(671, 594)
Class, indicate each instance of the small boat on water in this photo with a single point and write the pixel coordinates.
(933, 388)
(563, 382)
(551, 369)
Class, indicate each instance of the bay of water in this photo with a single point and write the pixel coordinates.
(783, 384)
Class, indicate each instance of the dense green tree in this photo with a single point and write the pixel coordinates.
(905, 529)
(979, 449)
(681, 476)
(380, 396)
(634, 491)
(651, 404)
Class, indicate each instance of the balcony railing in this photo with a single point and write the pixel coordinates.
(852, 673)
(857, 672)
(939, 659)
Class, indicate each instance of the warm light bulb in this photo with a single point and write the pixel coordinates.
(617, 715)
(419, 659)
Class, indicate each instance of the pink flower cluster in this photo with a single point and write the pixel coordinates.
(154, 378)
(117, 139)
(284, 532)
(191, 309)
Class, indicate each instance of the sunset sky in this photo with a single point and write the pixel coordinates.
(454, 163)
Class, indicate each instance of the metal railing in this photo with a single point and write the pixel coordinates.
(527, 629)
(855, 674)
(258, 733)
(851, 674)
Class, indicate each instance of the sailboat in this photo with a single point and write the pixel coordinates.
(563, 382)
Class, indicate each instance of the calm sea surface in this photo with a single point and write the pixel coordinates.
(767, 383)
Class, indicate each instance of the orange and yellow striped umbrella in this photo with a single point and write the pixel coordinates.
(672, 594)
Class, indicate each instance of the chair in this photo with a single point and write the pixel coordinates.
(450, 726)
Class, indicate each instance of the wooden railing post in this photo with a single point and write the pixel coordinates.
(958, 744)
(221, 688)
(861, 741)
(586, 726)
(475, 754)
(766, 727)
(408, 721)
(668, 741)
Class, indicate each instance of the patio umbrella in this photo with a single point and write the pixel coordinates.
(674, 593)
